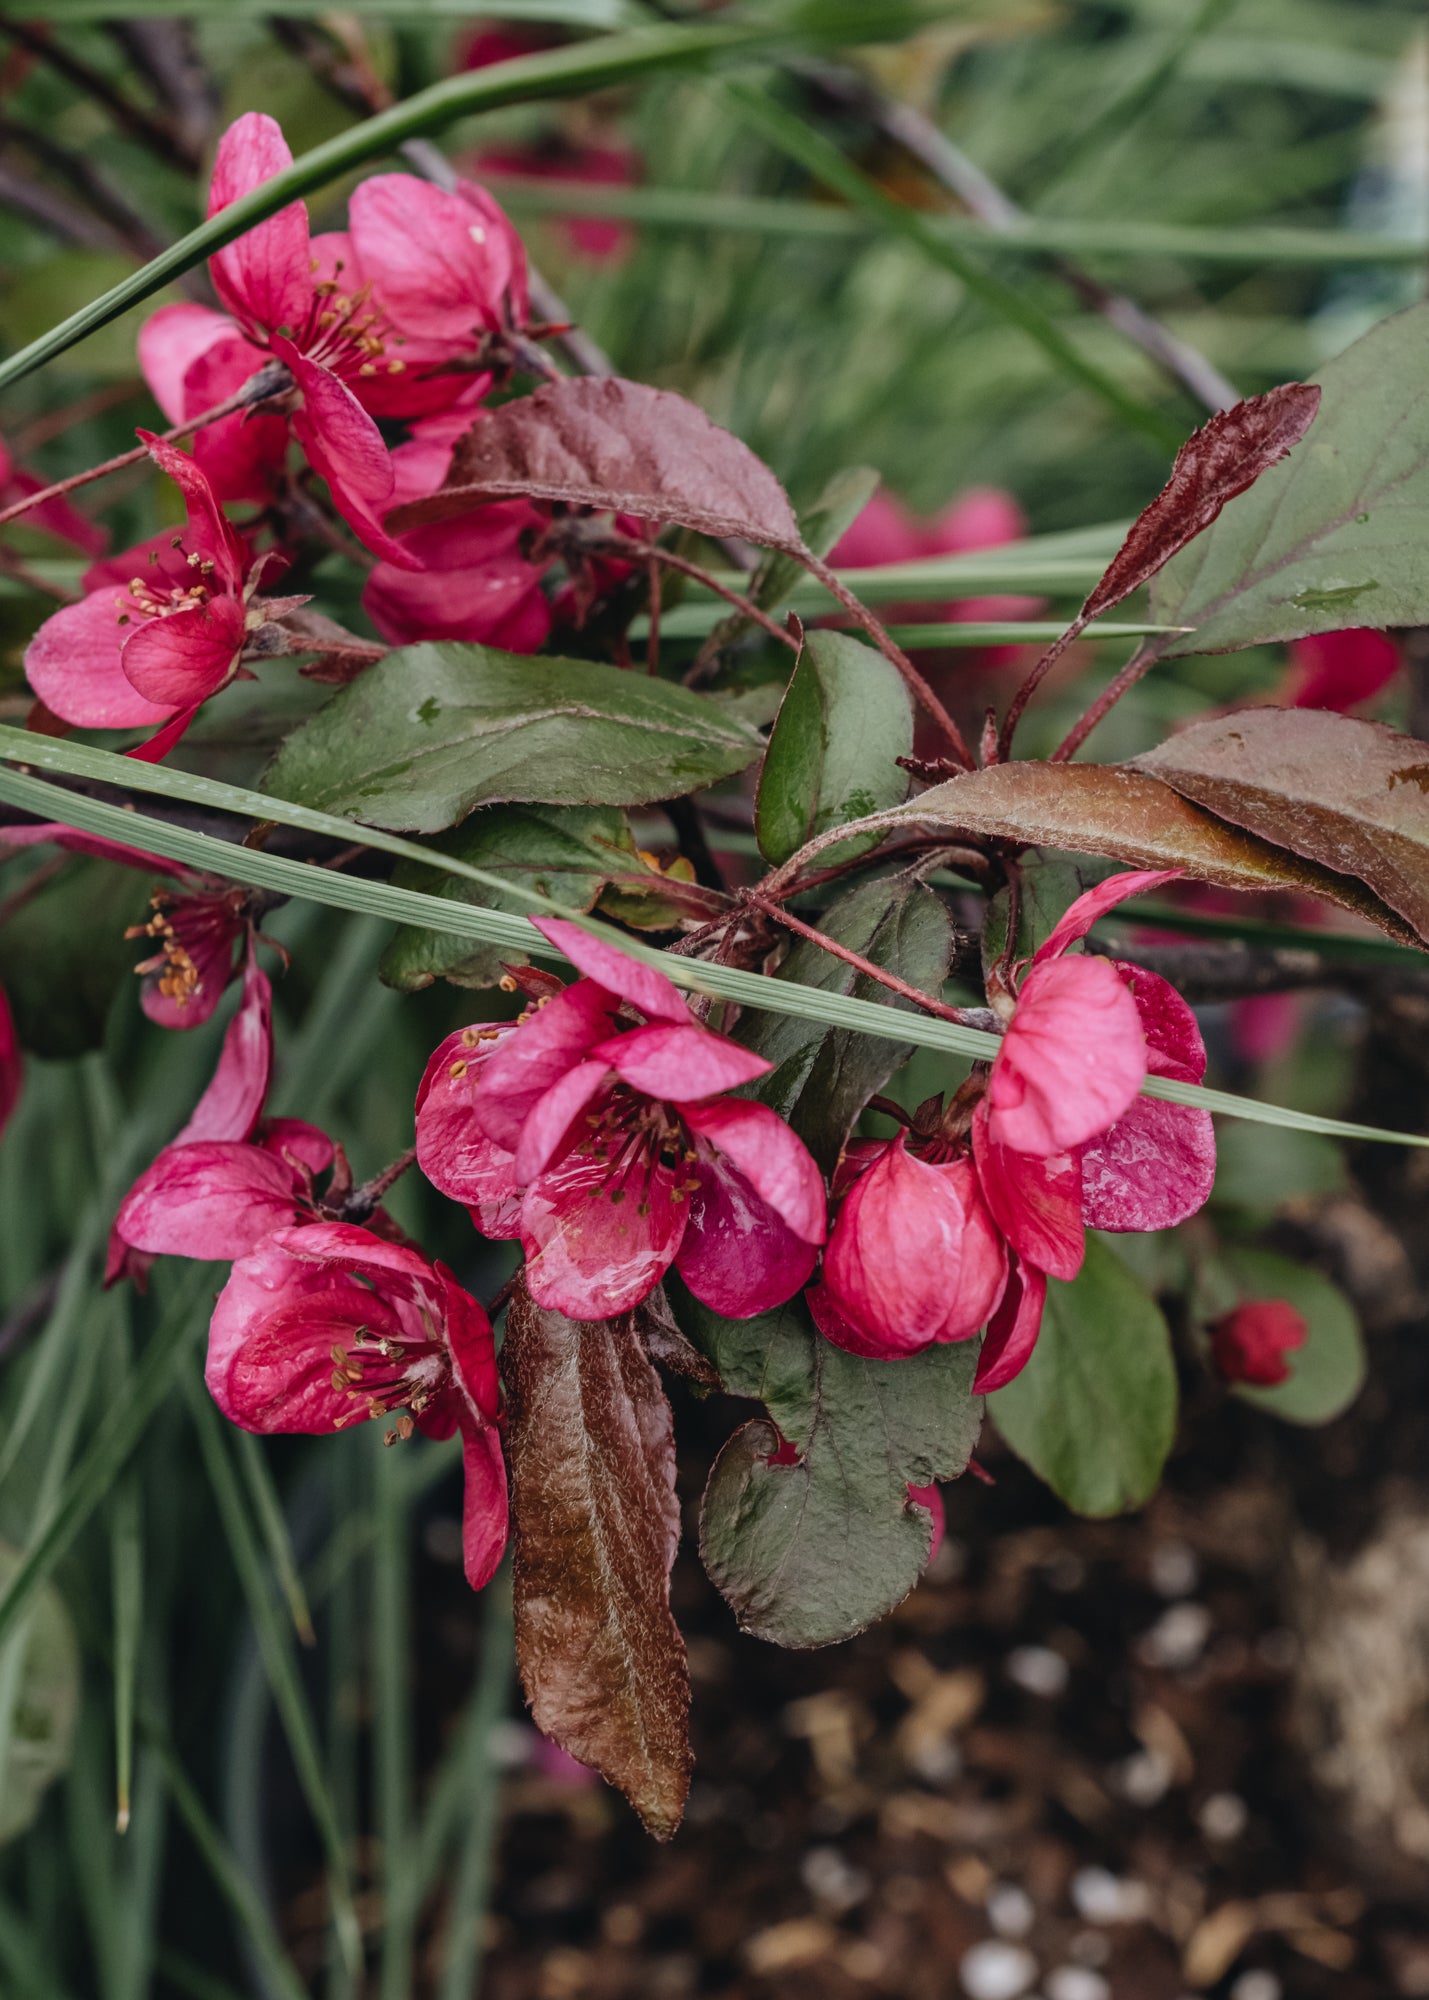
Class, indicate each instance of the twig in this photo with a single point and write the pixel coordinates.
(166, 53)
(360, 1203)
(934, 151)
(957, 1015)
(653, 553)
(53, 212)
(270, 380)
(1141, 661)
(141, 124)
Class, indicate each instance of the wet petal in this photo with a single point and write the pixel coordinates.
(439, 264)
(233, 1102)
(210, 1200)
(1152, 1169)
(472, 1346)
(294, 1139)
(1035, 1202)
(554, 1039)
(642, 985)
(1092, 906)
(775, 1161)
(680, 1062)
(212, 535)
(452, 1150)
(739, 1256)
(281, 1377)
(593, 1255)
(182, 659)
(1072, 1060)
(1012, 1333)
(895, 1252)
(74, 664)
(485, 1514)
(265, 278)
(344, 447)
(545, 1134)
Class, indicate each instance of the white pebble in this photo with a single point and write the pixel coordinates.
(1223, 1816)
(1143, 1779)
(996, 1971)
(831, 1881)
(511, 1745)
(1175, 1569)
(1037, 1669)
(1104, 1898)
(1075, 1982)
(1010, 1910)
(1256, 1986)
(936, 1761)
(1178, 1638)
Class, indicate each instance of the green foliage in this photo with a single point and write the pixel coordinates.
(846, 720)
(1328, 1372)
(42, 1661)
(63, 954)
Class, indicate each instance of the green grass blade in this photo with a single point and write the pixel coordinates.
(408, 906)
(126, 1572)
(393, 1723)
(475, 1788)
(268, 1510)
(282, 1670)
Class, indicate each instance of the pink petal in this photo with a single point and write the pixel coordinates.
(984, 517)
(392, 1269)
(440, 266)
(1072, 1060)
(58, 516)
(294, 1139)
(209, 1200)
(739, 1256)
(685, 1061)
(590, 1255)
(1154, 1168)
(211, 534)
(645, 988)
(545, 1134)
(520, 1072)
(833, 1325)
(73, 663)
(421, 465)
(895, 1251)
(1341, 669)
(472, 1345)
(452, 1150)
(775, 1161)
(170, 341)
(233, 1102)
(258, 1284)
(1173, 1035)
(885, 532)
(185, 657)
(1249, 1344)
(158, 746)
(1091, 907)
(1035, 1202)
(451, 600)
(929, 1498)
(344, 447)
(245, 456)
(1012, 1333)
(982, 1272)
(12, 1064)
(281, 1377)
(485, 1519)
(265, 278)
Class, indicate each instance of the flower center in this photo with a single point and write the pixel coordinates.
(386, 1372)
(150, 599)
(344, 335)
(638, 1137)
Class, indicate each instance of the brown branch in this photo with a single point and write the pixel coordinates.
(166, 53)
(55, 213)
(1141, 661)
(958, 1015)
(653, 553)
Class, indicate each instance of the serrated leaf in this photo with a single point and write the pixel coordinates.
(1094, 1411)
(1345, 794)
(436, 729)
(845, 720)
(1335, 536)
(596, 1526)
(813, 1543)
(823, 1077)
(568, 852)
(621, 448)
(46, 1702)
(1131, 814)
(1328, 1372)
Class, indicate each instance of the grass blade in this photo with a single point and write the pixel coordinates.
(475, 1784)
(268, 1508)
(126, 1570)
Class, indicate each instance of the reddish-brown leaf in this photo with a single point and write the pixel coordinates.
(1213, 465)
(596, 1527)
(663, 1341)
(1345, 794)
(620, 447)
(1131, 815)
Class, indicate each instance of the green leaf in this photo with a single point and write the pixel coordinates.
(63, 955)
(436, 729)
(1094, 1411)
(846, 718)
(567, 852)
(823, 1077)
(813, 1546)
(47, 1705)
(1344, 793)
(1335, 534)
(1328, 1372)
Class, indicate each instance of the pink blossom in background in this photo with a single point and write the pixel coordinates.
(1340, 670)
(597, 238)
(161, 627)
(330, 1325)
(1250, 1343)
(628, 1153)
(985, 517)
(12, 1063)
(58, 517)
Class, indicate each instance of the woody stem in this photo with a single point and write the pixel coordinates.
(651, 552)
(269, 380)
(857, 960)
(1145, 656)
(363, 1200)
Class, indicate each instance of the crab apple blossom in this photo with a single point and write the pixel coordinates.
(984, 517)
(1339, 670)
(328, 1325)
(196, 934)
(1249, 1344)
(160, 628)
(628, 1153)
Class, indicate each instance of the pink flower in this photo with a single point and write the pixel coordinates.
(984, 517)
(196, 935)
(12, 1064)
(168, 637)
(1342, 669)
(324, 1326)
(914, 1255)
(57, 517)
(600, 239)
(1062, 1137)
(629, 1156)
(1250, 1343)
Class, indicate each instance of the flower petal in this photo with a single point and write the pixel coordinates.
(453, 1151)
(344, 446)
(485, 1514)
(684, 1061)
(282, 1378)
(472, 1346)
(265, 278)
(554, 1039)
(209, 1200)
(895, 1253)
(835, 1326)
(1092, 906)
(170, 341)
(1152, 1169)
(592, 1255)
(642, 985)
(545, 1132)
(245, 455)
(1036, 1202)
(775, 1161)
(440, 267)
(739, 1256)
(294, 1139)
(1013, 1330)
(182, 659)
(74, 665)
(233, 1102)
(212, 534)
(1072, 1060)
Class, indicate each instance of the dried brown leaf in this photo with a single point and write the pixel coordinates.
(1342, 793)
(1128, 814)
(663, 1341)
(596, 1528)
(620, 447)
